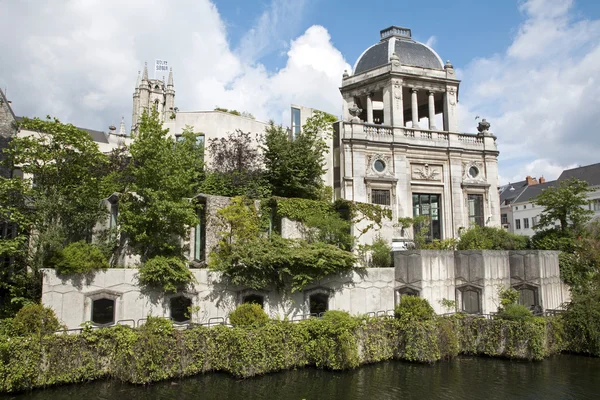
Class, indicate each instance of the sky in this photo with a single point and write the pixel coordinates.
(530, 67)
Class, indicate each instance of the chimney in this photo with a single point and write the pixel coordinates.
(531, 181)
(542, 179)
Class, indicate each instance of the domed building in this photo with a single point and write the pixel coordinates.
(399, 143)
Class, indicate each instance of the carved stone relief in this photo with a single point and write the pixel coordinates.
(473, 172)
(379, 165)
(426, 172)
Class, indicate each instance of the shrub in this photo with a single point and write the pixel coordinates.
(248, 314)
(490, 238)
(381, 253)
(508, 296)
(514, 312)
(337, 316)
(582, 323)
(414, 308)
(79, 257)
(35, 319)
(168, 273)
(157, 326)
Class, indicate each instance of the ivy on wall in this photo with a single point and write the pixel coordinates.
(157, 351)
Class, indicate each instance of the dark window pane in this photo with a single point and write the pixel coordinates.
(429, 206)
(180, 308)
(470, 301)
(380, 197)
(319, 303)
(256, 299)
(527, 297)
(103, 311)
(476, 209)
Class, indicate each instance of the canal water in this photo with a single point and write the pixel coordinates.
(560, 377)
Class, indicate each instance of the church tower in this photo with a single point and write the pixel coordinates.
(152, 94)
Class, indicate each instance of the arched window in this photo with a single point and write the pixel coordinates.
(254, 298)
(528, 296)
(103, 311)
(318, 303)
(405, 291)
(180, 308)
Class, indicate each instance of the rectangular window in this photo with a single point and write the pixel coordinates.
(534, 222)
(504, 219)
(429, 205)
(296, 126)
(114, 213)
(475, 209)
(595, 205)
(517, 224)
(381, 197)
(200, 235)
(526, 223)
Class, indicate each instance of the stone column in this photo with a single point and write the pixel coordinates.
(415, 108)
(387, 104)
(369, 108)
(398, 107)
(431, 111)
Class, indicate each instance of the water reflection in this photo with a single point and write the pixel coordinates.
(560, 377)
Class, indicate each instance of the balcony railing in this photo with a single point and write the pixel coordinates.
(418, 136)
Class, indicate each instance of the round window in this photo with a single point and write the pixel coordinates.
(379, 166)
(473, 172)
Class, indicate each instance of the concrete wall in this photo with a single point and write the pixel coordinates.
(71, 297)
(434, 275)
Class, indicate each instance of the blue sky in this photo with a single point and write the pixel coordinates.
(531, 67)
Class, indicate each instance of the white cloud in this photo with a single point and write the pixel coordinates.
(78, 60)
(542, 95)
(431, 41)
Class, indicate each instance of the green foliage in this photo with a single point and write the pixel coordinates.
(514, 312)
(251, 259)
(582, 323)
(157, 352)
(170, 274)
(565, 203)
(449, 305)
(508, 296)
(337, 316)
(377, 254)
(491, 238)
(79, 257)
(34, 320)
(236, 112)
(413, 308)
(154, 210)
(248, 314)
(295, 167)
(420, 225)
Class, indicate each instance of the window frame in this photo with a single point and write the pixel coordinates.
(518, 224)
(475, 218)
(433, 234)
(525, 223)
(387, 194)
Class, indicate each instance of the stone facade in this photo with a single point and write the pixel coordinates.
(384, 153)
(434, 275)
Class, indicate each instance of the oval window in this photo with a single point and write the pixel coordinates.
(379, 166)
(473, 172)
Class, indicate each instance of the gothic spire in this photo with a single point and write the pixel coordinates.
(145, 77)
(122, 131)
(137, 84)
(170, 84)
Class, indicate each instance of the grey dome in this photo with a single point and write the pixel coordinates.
(398, 40)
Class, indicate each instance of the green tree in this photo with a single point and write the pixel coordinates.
(57, 203)
(564, 203)
(295, 167)
(155, 210)
(236, 167)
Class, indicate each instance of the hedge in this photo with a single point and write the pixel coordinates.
(157, 351)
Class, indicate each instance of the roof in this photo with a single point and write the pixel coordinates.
(589, 173)
(507, 194)
(97, 136)
(5, 101)
(532, 191)
(409, 52)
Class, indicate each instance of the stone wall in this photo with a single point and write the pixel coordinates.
(434, 275)
(71, 297)
(7, 129)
